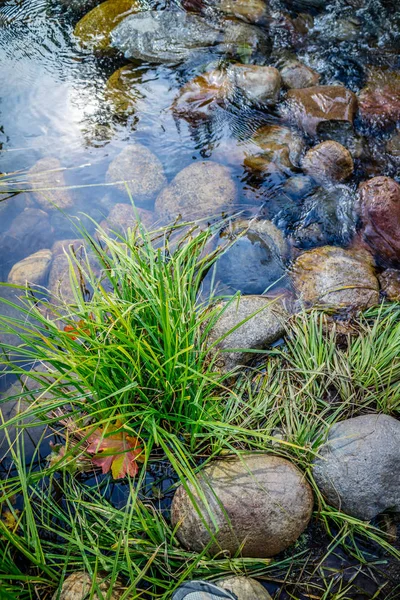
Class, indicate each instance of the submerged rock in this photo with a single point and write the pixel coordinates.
(328, 161)
(32, 270)
(390, 284)
(257, 83)
(310, 106)
(358, 467)
(138, 170)
(393, 144)
(260, 505)
(203, 189)
(173, 37)
(296, 74)
(380, 214)
(61, 288)
(124, 216)
(47, 175)
(264, 324)
(379, 101)
(94, 29)
(250, 11)
(343, 133)
(255, 263)
(276, 149)
(122, 90)
(334, 277)
(78, 585)
(244, 588)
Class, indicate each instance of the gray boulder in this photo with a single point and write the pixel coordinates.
(264, 326)
(260, 505)
(358, 467)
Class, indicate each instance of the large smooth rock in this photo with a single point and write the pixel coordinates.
(139, 170)
(312, 105)
(244, 588)
(122, 89)
(259, 84)
(203, 189)
(379, 101)
(32, 270)
(260, 504)
(94, 29)
(256, 321)
(255, 263)
(47, 175)
(173, 37)
(124, 216)
(274, 149)
(337, 278)
(79, 585)
(380, 214)
(328, 161)
(358, 467)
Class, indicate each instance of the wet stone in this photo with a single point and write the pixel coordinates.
(250, 11)
(390, 284)
(260, 504)
(78, 586)
(59, 284)
(310, 106)
(122, 90)
(124, 216)
(244, 588)
(379, 200)
(47, 174)
(255, 262)
(343, 133)
(379, 101)
(297, 75)
(203, 189)
(257, 83)
(94, 29)
(32, 270)
(393, 144)
(276, 149)
(138, 170)
(264, 324)
(328, 161)
(357, 469)
(336, 278)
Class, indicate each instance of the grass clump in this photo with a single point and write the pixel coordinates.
(126, 370)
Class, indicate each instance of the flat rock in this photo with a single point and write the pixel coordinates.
(32, 270)
(47, 174)
(334, 277)
(379, 101)
(244, 588)
(274, 149)
(390, 284)
(379, 200)
(257, 321)
(94, 29)
(328, 161)
(139, 170)
(255, 262)
(358, 467)
(260, 504)
(78, 586)
(203, 189)
(172, 37)
(310, 106)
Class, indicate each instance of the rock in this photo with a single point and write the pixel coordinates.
(29, 232)
(59, 284)
(260, 505)
(380, 214)
(390, 284)
(343, 133)
(297, 75)
(256, 333)
(250, 11)
(244, 588)
(32, 270)
(393, 144)
(203, 189)
(379, 101)
(358, 467)
(122, 90)
(276, 149)
(47, 174)
(124, 216)
(139, 170)
(258, 84)
(79, 585)
(173, 37)
(94, 29)
(334, 277)
(310, 106)
(255, 262)
(328, 161)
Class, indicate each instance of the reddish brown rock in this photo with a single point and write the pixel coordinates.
(328, 161)
(276, 148)
(380, 214)
(310, 106)
(379, 101)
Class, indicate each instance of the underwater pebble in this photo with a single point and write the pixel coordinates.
(33, 269)
(328, 161)
(297, 75)
(47, 174)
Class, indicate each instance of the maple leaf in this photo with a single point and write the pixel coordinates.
(115, 450)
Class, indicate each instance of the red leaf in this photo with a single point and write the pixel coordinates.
(117, 452)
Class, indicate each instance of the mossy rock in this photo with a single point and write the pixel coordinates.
(94, 29)
(122, 91)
